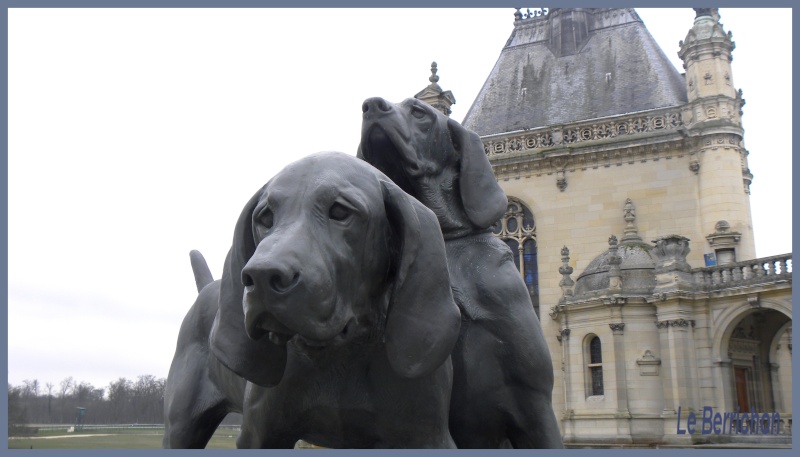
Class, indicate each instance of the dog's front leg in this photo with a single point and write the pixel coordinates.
(263, 423)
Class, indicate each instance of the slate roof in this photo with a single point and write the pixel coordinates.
(609, 65)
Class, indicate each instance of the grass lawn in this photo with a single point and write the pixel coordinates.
(223, 439)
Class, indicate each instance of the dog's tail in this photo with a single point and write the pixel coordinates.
(202, 275)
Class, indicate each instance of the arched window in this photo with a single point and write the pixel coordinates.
(594, 369)
(518, 229)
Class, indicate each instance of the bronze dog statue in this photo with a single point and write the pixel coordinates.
(335, 304)
(503, 373)
(200, 391)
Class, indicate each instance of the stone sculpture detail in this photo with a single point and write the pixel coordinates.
(503, 373)
(335, 304)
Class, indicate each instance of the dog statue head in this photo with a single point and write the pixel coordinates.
(329, 253)
(435, 159)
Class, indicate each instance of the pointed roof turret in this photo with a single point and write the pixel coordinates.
(569, 64)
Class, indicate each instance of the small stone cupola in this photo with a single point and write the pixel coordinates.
(627, 267)
(706, 55)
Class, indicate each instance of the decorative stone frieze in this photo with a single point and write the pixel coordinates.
(581, 132)
(680, 323)
(743, 346)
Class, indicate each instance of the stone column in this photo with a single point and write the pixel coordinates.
(622, 414)
(777, 395)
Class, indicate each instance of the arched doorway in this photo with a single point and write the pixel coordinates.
(753, 348)
(517, 229)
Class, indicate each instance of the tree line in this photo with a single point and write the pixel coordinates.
(124, 401)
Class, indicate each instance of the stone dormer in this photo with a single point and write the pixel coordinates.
(434, 95)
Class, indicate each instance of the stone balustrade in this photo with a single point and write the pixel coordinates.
(750, 272)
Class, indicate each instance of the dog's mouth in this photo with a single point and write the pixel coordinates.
(309, 343)
(382, 152)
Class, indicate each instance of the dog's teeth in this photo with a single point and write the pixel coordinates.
(277, 338)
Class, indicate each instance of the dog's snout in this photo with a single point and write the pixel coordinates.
(276, 278)
(375, 105)
(283, 281)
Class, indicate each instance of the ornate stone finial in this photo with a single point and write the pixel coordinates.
(433, 95)
(566, 282)
(671, 252)
(517, 15)
(614, 261)
(629, 214)
(703, 12)
(433, 78)
(565, 270)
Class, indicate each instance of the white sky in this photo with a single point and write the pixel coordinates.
(138, 135)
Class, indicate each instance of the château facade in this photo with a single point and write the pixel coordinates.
(629, 210)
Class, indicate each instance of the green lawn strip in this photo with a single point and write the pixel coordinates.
(223, 439)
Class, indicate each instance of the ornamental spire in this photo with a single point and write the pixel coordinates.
(434, 95)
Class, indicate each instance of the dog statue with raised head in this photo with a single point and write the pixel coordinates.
(503, 373)
(335, 305)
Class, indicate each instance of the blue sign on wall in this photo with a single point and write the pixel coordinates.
(711, 259)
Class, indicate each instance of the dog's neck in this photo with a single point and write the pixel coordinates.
(441, 194)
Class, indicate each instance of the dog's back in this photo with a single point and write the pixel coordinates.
(200, 391)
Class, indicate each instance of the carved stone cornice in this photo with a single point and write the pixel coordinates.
(615, 300)
(674, 323)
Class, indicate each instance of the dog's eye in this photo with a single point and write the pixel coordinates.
(266, 218)
(339, 212)
(417, 112)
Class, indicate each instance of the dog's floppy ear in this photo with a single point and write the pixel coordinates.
(423, 321)
(261, 362)
(484, 201)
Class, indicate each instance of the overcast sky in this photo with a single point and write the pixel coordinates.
(138, 135)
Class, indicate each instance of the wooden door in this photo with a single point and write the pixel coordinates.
(742, 400)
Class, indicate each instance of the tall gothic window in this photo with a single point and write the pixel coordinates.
(518, 230)
(595, 367)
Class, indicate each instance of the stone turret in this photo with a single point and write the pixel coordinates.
(713, 120)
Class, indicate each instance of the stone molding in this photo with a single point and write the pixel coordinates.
(674, 323)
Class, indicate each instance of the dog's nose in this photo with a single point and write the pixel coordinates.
(276, 278)
(375, 105)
